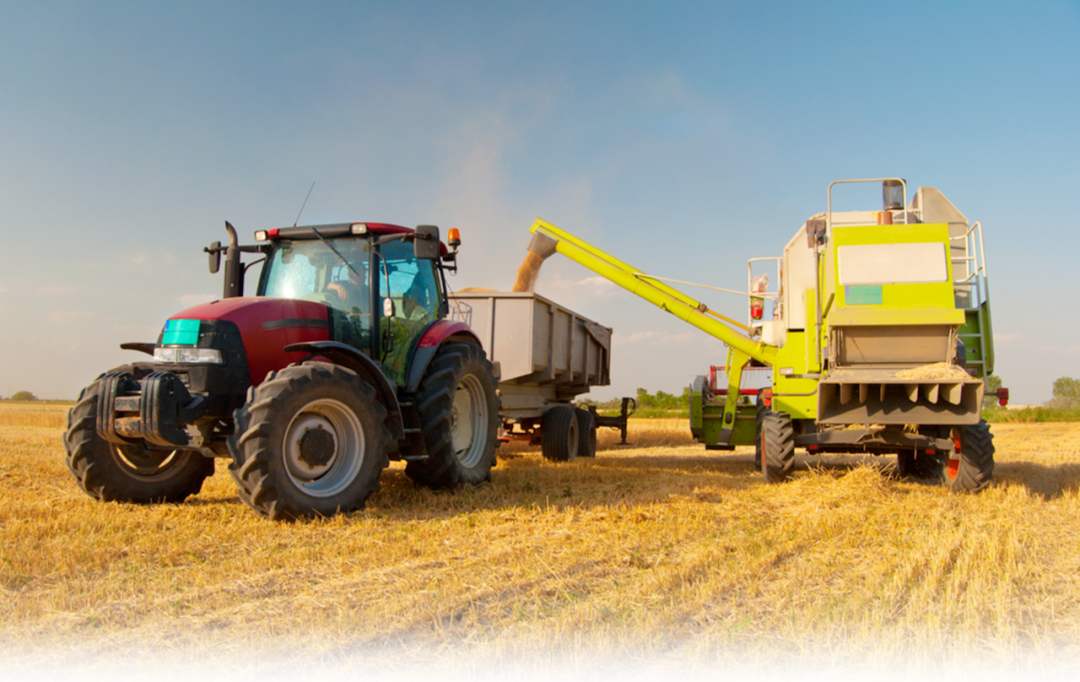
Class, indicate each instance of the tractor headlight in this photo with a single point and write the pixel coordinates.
(188, 356)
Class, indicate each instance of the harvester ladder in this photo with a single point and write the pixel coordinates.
(972, 287)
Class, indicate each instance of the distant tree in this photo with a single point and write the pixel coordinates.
(993, 383)
(1066, 393)
(662, 400)
(24, 395)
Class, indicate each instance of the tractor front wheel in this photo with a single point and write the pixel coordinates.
(969, 467)
(459, 418)
(777, 446)
(130, 472)
(310, 441)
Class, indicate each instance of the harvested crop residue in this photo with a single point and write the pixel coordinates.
(939, 371)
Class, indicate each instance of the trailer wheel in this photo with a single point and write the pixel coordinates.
(311, 441)
(586, 424)
(459, 418)
(777, 446)
(970, 466)
(762, 410)
(919, 465)
(127, 473)
(559, 434)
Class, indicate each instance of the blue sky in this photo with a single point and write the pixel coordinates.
(683, 138)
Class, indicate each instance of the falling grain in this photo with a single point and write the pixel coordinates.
(528, 272)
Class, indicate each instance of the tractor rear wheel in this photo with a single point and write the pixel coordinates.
(777, 446)
(131, 472)
(310, 441)
(559, 441)
(970, 466)
(586, 425)
(459, 418)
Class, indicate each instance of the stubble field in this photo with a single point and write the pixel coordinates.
(654, 556)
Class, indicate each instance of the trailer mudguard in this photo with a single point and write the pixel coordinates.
(347, 356)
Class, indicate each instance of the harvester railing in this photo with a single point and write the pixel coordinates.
(774, 295)
(976, 285)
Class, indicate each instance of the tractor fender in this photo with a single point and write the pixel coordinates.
(350, 358)
(433, 337)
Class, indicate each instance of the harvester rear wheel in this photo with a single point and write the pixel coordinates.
(311, 441)
(777, 446)
(762, 410)
(919, 465)
(459, 418)
(970, 466)
(127, 473)
(586, 433)
(559, 439)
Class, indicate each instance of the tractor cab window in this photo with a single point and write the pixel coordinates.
(412, 288)
(310, 270)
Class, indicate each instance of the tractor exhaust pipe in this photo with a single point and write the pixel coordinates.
(541, 248)
(234, 270)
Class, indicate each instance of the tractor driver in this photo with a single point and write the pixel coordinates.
(352, 291)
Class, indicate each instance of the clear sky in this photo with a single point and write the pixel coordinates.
(681, 137)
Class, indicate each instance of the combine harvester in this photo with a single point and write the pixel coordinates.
(880, 340)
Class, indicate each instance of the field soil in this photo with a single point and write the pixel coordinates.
(651, 558)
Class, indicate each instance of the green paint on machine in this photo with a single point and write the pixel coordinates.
(180, 333)
(862, 295)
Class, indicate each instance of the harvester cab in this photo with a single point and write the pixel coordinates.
(879, 340)
(342, 361)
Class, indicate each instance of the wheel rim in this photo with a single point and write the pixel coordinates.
(323, 448)
(468, 421)
(143, 462)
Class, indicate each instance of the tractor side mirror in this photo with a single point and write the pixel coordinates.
(426, 242)
(215, 257)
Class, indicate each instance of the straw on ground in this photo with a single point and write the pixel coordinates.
(657, 549)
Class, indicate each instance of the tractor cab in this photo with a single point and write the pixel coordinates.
(381, 291)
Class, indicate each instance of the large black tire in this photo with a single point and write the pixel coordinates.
(762, 410)
(586, 425)
(459, 418)
(970, 467)
(311, 441)
(127, 473)
(559, 441)
(919, 465)
(777, 446)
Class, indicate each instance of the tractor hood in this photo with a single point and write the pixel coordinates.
(266, 326)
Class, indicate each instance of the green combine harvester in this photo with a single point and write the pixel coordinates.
(880, 340)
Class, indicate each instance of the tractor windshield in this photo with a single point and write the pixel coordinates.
(310, 270)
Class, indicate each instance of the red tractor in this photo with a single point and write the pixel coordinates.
(342, 361)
